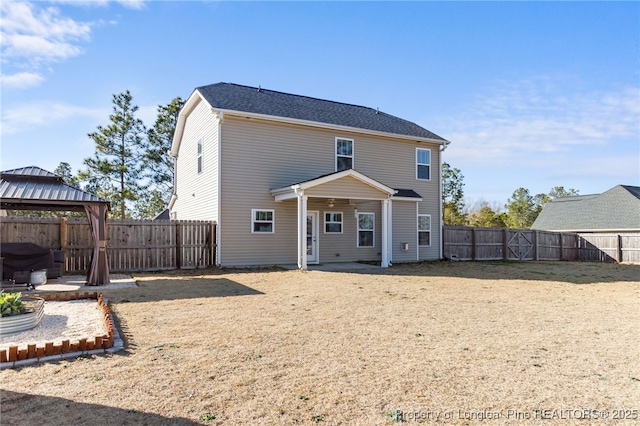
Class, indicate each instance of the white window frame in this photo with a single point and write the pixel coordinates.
(333, 222)
(352, 156)
(424, 230)
(200, 156)
(418, 163)
(358, 230)
(254, 221)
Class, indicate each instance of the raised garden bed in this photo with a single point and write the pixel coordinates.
(14, 353)
(33, 311)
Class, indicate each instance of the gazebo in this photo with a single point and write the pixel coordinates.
(33, 188)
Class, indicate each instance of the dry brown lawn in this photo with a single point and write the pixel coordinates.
(522, 341)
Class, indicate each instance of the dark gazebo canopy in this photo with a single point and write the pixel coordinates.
(33, 188)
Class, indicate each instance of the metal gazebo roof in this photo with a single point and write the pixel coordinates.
(33, 188)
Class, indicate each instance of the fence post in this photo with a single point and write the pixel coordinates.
(63, 242)
(561, 245)
(212, 244)
(505, 249)
(473, 244)
(619, 248)
(178, 245)
(536, 255)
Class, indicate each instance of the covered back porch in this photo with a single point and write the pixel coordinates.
(342, 216)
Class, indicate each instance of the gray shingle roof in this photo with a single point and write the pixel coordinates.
(235, 97)
(617, 209)
(29, 186)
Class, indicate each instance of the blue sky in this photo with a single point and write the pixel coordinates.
(532, 94)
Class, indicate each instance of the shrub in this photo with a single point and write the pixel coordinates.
(11, 304)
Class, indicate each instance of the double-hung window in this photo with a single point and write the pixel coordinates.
(423, 164)
(424, 230)
(200, 165)
(262, 221)
(333, 222)
(344, 154)
(366, 227)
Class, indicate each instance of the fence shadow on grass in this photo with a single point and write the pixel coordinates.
(152, 289)
(23, 408)
(567, 272)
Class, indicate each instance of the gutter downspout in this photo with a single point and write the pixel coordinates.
(443, 147)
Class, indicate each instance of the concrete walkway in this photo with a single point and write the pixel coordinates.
(337, 267)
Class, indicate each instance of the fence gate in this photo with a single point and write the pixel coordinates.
(520, 245)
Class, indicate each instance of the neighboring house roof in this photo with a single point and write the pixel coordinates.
(230, 97)
(35, 188)
(163, 215)
(617, 209)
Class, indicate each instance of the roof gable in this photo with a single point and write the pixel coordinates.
(290, 191)
(617, 209)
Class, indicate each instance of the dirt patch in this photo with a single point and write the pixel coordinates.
(465, 340)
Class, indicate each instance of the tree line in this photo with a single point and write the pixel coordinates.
(131, 168)
(520, 211)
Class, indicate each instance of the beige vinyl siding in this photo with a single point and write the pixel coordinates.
(404, 231)
(258, 156)
(197, 192)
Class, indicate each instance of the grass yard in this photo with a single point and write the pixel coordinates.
(458, 342)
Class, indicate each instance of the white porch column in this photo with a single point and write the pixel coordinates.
(302, 230)
(385, 234)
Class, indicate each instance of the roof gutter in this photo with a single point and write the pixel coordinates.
(295, 121)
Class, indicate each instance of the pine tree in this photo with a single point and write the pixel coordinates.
(158, 165)
(115, 170)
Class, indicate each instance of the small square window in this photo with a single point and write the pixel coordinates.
(262, 221)
(333, 222)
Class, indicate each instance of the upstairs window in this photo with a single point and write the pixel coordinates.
(423, 164)
(424, 230)
(200, 165)
(366, 226)
(344, 154)
(333, 222)
(262, 221)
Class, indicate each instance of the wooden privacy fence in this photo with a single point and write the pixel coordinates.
(133, 245)
(469, 243)
(610, 247)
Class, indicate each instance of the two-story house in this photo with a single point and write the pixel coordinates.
(294, 179)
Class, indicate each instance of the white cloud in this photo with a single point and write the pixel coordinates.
(515, 122)
(39, 35)
(33, 35)
(130, 4)
(21, 80)
(26, 116)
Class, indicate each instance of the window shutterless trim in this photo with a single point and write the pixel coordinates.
(424, 230)
(373, 230)
(420, 164)
(255, 221)
(342, 155)
(200, 156)
(333, 222)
